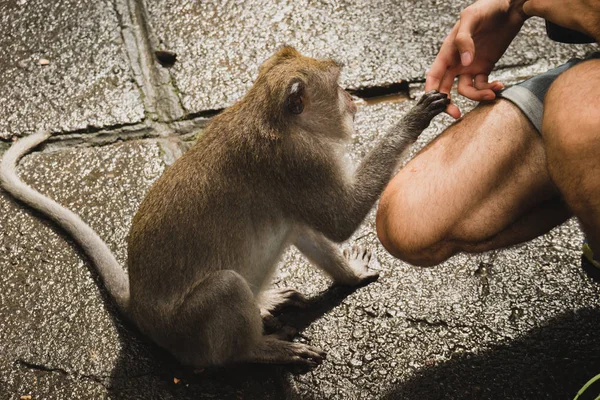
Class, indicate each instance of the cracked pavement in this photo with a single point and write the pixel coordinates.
(511, 324)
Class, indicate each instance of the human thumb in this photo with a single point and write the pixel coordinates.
(464, 42)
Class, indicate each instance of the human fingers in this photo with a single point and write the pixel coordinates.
(453, 111)
(466, 88)
(448, 80)
(445, 87)
(435, 74)
(481, 82)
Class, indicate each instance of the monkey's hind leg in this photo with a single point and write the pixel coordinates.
(347, 269)
(273, 300)
(219, 323)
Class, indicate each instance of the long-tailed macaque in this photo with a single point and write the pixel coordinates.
(268, 172)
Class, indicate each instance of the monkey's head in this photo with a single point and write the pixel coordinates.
(303, 94)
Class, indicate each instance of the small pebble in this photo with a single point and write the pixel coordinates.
(355, 363)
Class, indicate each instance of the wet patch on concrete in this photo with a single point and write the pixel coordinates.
(394, 92)
(57, 331)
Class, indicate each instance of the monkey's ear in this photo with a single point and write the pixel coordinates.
(295, 97)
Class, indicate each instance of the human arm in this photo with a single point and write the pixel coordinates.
(580, 15)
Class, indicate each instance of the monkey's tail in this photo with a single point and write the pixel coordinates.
(112, 274)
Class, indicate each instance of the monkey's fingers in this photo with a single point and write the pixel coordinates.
(367, 255)
(368, 277)
(431, 96)
(307, 352)
(431, 104)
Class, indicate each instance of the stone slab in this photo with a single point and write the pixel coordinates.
(87, 80)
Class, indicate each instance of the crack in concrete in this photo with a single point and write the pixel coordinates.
(205, 113)
(184, 129)
(424, 321)
(516, 65)
(158, 94)
(394, 88)
(39, 367)
(99, 379)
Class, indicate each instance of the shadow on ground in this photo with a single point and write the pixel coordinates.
(550, 362)
(145, 371)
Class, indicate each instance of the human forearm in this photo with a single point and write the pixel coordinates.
(580, 15)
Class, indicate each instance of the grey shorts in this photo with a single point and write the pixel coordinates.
(529, 95)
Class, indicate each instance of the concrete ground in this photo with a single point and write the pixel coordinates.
(520, 323)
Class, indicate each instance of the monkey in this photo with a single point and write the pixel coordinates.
(267, 172)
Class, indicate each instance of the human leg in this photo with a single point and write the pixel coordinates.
(481, 185)
(571, 133)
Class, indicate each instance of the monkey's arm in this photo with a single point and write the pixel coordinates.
(335, 207)
(326, 256)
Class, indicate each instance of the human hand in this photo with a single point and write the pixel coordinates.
(473, 47)
(580, 15)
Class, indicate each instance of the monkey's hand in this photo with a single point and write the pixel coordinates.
(418, 118)
(358, 259)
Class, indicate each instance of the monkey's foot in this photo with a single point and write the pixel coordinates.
(275, 299)
(272, 350)
(358, 258)
(270, 322)
(286, 333)
(273, 326)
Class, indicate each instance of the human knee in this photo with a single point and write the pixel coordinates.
(571, 122)
(403, 232)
